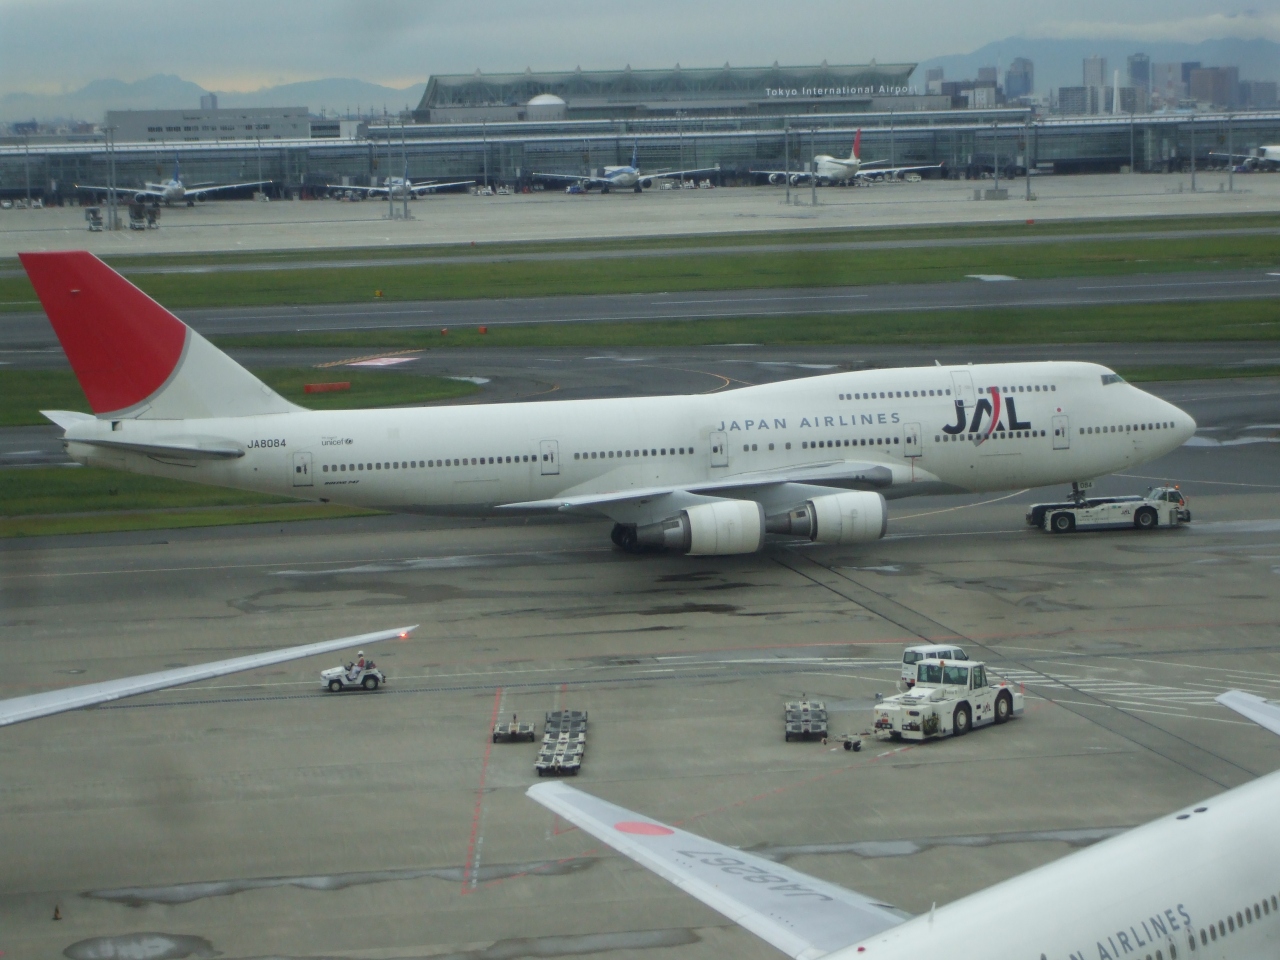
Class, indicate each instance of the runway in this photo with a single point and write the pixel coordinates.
(261, 816)
(24, 331)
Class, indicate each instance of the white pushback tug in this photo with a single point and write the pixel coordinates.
(949, 698)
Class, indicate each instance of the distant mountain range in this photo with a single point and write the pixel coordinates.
(166, 91)
(1060, 63)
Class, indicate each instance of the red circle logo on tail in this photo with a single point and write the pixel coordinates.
(643, 829)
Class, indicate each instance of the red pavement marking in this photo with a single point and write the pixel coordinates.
(469, 867)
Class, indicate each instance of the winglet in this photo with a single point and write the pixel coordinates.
(1255, 708)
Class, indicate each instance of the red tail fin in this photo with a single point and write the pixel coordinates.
(857, 145)
(133, 358)
(122, 344)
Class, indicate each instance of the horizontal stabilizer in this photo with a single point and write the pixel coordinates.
(18, 709)
(66, 418)
(180, 448)
(1260, 711)
(802, 916)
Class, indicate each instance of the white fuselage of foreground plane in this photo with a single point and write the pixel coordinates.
(1200, 884)
(910, 431)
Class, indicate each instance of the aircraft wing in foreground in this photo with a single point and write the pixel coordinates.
(1202, 877)
(802, 916)
(18, 709)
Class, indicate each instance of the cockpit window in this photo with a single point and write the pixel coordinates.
(929, 673)
(1108, 378)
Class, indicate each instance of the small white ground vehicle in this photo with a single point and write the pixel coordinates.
(927, 651)
(1158, 507)
(351, 677)
(949, 699)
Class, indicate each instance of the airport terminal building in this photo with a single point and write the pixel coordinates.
(701, 92)
(506, 128)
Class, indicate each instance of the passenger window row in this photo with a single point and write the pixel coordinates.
(418, 464)
(620, 454)
(864, 442)
(902, 394)
(894, 394)
(997, 435)
(1128, 427)
(1224, 928)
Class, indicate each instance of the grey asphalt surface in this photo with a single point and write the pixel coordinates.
(29, 330)
(260, 816)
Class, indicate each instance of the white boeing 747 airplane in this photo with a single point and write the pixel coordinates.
(829, 169)
(1201, 883)
(625, 177)
(710, 474)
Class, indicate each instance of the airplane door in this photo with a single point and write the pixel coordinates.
(302, 470)
(550, 457)
(1061, 433)
(962, 387)
(911, 446)
(719, 449)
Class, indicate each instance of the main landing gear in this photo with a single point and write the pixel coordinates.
(624, 537)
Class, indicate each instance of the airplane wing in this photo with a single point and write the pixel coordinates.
(804, 917)
(1260, 711)
(133, 191)
(668, 174)
(833, 473)
(876, 173)
(197, 191)
(421, 188)
(570, 178)
(18, 709)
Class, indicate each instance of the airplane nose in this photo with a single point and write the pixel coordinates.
(1184, 425)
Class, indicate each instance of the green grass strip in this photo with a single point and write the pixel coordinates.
(1013, 231)
(685, 273)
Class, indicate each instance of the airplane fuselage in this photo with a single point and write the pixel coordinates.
(919, 430)
(1199, 884)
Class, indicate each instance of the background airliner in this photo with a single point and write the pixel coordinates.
(173, 190)
(401, 188)
(626, 177)
(829, 169)
(1264, 158)
(1199, 884)
(711, 474)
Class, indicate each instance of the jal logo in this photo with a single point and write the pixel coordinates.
(992, 410)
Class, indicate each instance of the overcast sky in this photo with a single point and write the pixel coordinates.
(56, 46)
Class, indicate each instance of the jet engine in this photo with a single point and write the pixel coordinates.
(709, 529)
(777, 179)
(645, 182)
(853, 517)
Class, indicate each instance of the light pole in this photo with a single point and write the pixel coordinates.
(995, 153)
(1231, 159)
(404, 155)
(484, 130)
(786, 154)
(1026, 157)
(113, 203)
(27, 165)
(813, 171)
(1193, 154)
(261, 192)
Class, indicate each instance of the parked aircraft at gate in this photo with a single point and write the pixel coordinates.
(829, 169)
(626, 177)
(708, 474)
(174, 190)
